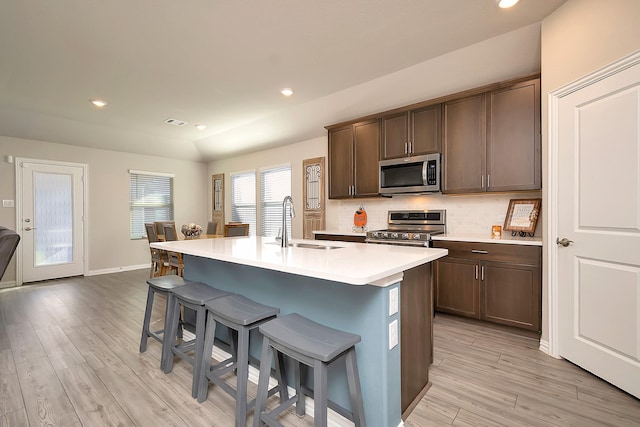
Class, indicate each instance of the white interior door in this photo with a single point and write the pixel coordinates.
(52, 209)
(598, 283)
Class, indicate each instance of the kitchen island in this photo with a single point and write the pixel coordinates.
(347, 286)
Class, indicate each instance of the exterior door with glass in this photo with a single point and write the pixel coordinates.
(51, 220)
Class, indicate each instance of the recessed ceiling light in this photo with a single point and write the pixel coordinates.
(98, 102)
(201, 127)
(287, 91)
(506, 3)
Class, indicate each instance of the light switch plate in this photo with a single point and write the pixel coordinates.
(393, 334)
(393, 301)
(7, 204)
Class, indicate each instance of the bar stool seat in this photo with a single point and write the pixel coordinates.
(240, 315)
(193, 296)
(314, 345)
(163, 285)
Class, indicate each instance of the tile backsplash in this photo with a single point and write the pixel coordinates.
(468, 214)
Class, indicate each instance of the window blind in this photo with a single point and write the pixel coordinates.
(243, 199)
(150, 199)
(275, 184)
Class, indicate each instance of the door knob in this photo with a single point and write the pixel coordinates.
(28, 229)
(564, 241)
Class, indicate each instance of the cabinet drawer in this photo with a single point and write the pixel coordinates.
(518, 254)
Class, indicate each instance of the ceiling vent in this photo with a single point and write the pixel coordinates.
(175, 122)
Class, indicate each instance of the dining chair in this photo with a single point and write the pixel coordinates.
(212, 227)
(175, 258)
(159, 225)
(159, 258)
(236, 229)
(9, 240)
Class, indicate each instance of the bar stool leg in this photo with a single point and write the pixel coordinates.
(300, 372)
(263, 382)
(319, 394)
(209, 337)
(170, 333)
(355, 392)
(281, 374)
(242, 376)
(200, 326)
(147, 320)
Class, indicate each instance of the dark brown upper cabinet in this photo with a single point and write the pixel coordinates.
(464, 145)
(353, 160)
(491, 141)
(513, 138)
(411, 133)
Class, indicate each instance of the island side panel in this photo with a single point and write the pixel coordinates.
(363, 310)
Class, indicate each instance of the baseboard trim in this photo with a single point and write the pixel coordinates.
(544, 346)
(8, 284)
(116, 269)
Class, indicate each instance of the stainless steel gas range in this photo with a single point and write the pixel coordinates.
(410, 228)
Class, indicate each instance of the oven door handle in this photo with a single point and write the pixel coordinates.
(421, 243)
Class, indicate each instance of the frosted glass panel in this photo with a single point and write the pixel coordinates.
(53, 218)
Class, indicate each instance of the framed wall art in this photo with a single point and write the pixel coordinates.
(522, 216)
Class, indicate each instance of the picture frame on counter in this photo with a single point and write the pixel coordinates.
(522, 216)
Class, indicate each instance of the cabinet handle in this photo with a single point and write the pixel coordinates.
(488, 180)
(476, 272)
(478, 251)
(482, 273)
(481, 181)
(406, 148)
(410, 147)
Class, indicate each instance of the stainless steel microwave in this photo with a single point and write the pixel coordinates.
(418, 174)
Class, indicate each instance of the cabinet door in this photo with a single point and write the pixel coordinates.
(395, 136)
(367, 145)
(513, 138)
(511, 294)
(457, 288)
(340, 162)
(425, 130)
(464, 145)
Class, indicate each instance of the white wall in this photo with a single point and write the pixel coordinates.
(108, 205)
(580, 37)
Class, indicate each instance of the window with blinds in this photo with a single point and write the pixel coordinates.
(243, 199)
(275, 184)
(150, 199)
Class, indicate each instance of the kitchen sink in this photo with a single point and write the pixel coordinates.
(307, 245)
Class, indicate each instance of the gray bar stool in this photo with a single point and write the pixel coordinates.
(314, 345)
(193, 296)
(163, 285)
(240, 315)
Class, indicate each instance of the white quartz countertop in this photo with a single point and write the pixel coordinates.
(341, 233)
(507, 239)
(352, 263)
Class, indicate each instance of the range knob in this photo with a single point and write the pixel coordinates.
(394, 235)
(374, 234)
(405, 236)
(384, 235)
(416, 236)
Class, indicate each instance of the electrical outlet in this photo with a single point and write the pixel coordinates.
(393, 301)
(393, 334)
(7, 204)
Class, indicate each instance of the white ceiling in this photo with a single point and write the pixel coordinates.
(217, 62)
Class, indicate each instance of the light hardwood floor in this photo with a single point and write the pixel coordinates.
(69, 357)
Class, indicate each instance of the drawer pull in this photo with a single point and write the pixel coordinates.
(478, 251)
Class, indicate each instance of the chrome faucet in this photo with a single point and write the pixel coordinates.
(284, 242)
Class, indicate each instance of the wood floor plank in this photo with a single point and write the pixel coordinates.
(14, 419)
(10, 392)
(93, 403)
(139, 401)
(61, 352)
(46, 403)
(25, 343)
(432, 411)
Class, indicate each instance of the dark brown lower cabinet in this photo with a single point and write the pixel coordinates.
(499, 283)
